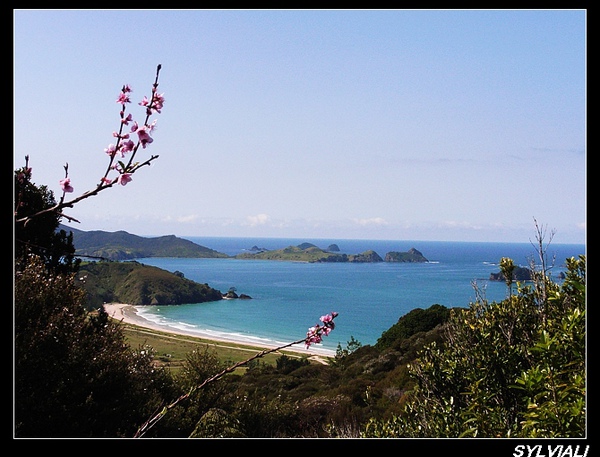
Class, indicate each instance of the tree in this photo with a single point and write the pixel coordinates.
(38, 235)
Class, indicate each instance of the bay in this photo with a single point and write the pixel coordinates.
(290, 297)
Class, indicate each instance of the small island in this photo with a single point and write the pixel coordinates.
(232, 295)
(412, 255)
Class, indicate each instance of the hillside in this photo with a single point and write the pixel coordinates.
(122, 245)
(138, 284)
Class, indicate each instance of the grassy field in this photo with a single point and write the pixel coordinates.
(170, 349)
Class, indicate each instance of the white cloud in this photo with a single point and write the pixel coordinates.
(259, 219)
(371, 221)
(190, 218)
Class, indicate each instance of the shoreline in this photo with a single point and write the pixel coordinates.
(129, 314)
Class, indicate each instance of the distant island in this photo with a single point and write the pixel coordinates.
(308, 252)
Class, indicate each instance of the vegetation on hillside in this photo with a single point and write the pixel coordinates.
(515, 368)
(138, 284)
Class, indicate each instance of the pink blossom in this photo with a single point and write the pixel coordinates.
(155, 104)
(106, 180)
(326, 318)
(144, 137)
(158, 101)
(152, 127)
(315, 334)
(127, 120)
(123, 98)
(122, 136)
(65, 184)
(111, 150)
(127, 146)
(124, 178)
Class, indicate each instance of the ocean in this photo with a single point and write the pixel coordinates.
(290, 297)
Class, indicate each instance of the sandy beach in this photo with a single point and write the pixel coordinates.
(129, 315)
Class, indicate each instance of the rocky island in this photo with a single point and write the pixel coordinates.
(308, 252)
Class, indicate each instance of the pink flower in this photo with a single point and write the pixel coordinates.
(155, 104)
(127, 120)
(158, 101)
(315, 334)
(111, 150)
(144, 137)
(123, 98)
(124, 178)
(127, 146)
(122, 136)
(65, 184)
(106, 180)
(326, 318)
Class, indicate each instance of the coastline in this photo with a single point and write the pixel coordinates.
(129, 314)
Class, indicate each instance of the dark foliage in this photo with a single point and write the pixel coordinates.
(417, 320)
(39, 235)
(74, 374)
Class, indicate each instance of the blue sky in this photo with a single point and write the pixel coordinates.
(458, 125)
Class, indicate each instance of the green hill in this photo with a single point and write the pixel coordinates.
(138, 284)
(122, 245)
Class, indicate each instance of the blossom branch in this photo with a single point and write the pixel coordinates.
(314, 335)
(123, 145)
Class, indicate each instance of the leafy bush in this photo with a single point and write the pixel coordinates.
(510, 369)
(417, 320)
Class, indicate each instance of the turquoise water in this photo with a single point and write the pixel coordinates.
(289, 297)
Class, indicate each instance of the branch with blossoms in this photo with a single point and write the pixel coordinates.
(313, 336)
(123, 146)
